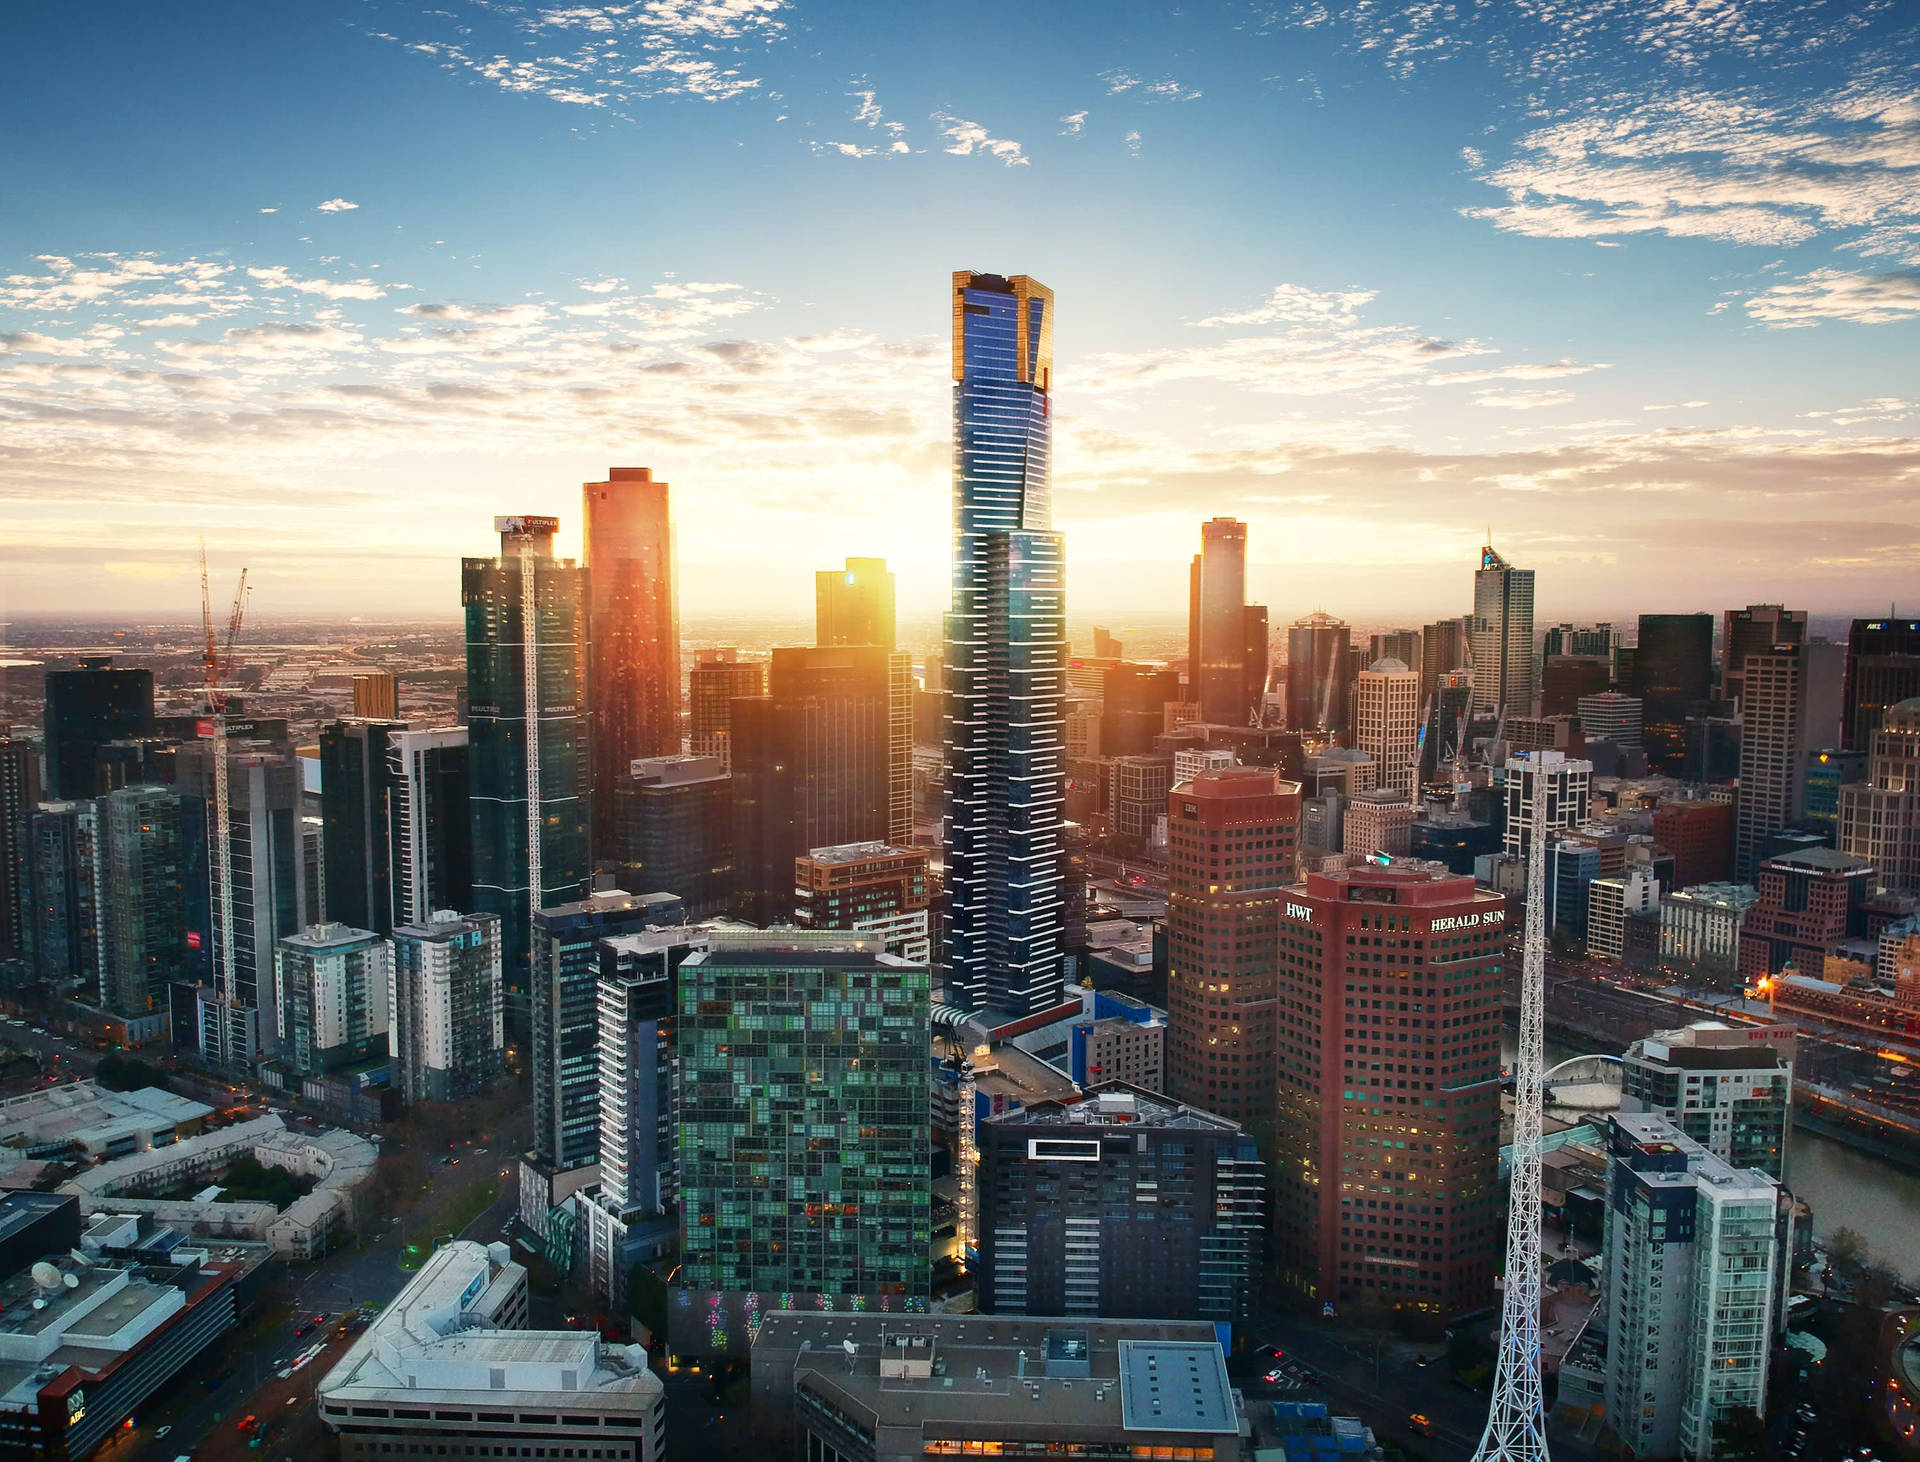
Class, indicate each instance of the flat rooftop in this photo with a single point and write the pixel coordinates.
(861, 853)
(1114, 1104)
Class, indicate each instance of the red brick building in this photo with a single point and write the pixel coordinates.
(1700, 837)
(1809, 902)
(1388, 1067)
(1232, 837)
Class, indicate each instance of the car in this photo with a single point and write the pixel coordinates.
(1273, 1350)
(1420, 1423)
(161, 1431)
(1274, 1378)
(1425, 1361)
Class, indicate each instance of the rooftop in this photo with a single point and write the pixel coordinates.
(862, 853)
(1820, 860)
(88, 1113)
(1114, 1104)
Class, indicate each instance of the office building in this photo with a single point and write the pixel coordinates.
(1824, 772)
(1386, 724)
(429, 852)
(884, 1388)
(1387, 1129)
(1700, 837)
(1611, 902)
(804, 1165)
(1232, 839)
(450, 1369)
(673, 830)
(1783, 715)
(63, 862)
(633, 662)
(712, 688)
(1132, 707)
(1672, 673)
(1880, 817)
(1317, 680)
(1882, 669)
(447, 1031)
(1377, 822)
(334, 984)
(1118, 1038)
(1578, 640)
(1569, 797)
(566, 979)
(1443, 650)
(266, 878)
(85, 709)
(1502, 637)
(867, 888)
(1566, 679)
(376, 696)
(1809, 903)
(356, 793)
(1005, 657)
(141, 912)
(1226, 636)
(1700, 930)
(1572, 867)
(19, 795)
(1053, 1241)
(1729, 1088)
(1755, 630)
(1610, 716)
(1688, 1271)
(819, 760)
(1137, 796)
(1395, 644)
(854, 605)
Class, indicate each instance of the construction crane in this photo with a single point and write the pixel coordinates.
(217, 666)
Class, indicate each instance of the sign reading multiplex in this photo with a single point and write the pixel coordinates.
(1469, 921)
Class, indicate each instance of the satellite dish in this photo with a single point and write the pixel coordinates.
(71, 1281)
(39, 1304)
(46, 1276)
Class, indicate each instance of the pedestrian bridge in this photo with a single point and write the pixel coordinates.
(1584, 1083)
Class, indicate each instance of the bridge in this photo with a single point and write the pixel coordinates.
(1584, 1083)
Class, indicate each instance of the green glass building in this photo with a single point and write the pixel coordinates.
(804, 1151)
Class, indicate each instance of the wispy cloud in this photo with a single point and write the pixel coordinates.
(1836, 294)
(1522, 400)
(969, 137)
(335, 205)
(1072, 124)
(1166, 89)
(868, 113)
(278, 276)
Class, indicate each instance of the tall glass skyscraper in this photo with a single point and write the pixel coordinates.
(1503, 673)
(526, 608)
(1005, 655)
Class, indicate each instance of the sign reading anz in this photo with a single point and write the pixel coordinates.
(1469, 921)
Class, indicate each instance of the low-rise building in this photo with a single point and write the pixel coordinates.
(1119, 1039)
(83, 1121)
(450, 1370)
(1700, 930)
(900, 1388)
(1610, 901)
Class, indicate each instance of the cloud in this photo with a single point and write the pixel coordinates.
(1164, 90)
(1132, 140)
(1836, 294)
(1072, 124)
(1522, 400)
(269, 210)
(1295, 304)
(335, 205)
(1551, 370)
(279, 277)
(273, 340)
(524, 314)
(970, 137)
(869, 114)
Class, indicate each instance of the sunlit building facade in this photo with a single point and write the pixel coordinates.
(1503, 669)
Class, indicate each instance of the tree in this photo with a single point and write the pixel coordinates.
(1739, 1435)
(1845, 1248)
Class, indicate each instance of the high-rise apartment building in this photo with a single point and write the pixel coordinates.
(1503, 667)
(1005, 657)
(1388, 1127)
(1883, 669)
(633, 663)
(356, 793)
(1386, 724)
(825, 757)
(805, 1062)
(142, 871)
(867, 888)
(1611, 716)
(447, 1029)
(1053, 1240)
(1729, 1088)
(63, 861)
(712, 688)
(529, 812)
(566, 978)
(1226, 636)
(85, 709)
(1688, 1273)
(1569, 797)
(674, 830)
(1754, 630)
(19, 795)
(1672, 674)
(1810, 902)
(1880, 817)
(1317, 679)
(1232, 839)
(376, 696)
(429, 851)
(334, 985)
(854, 605)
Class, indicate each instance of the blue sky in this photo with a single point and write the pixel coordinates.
(1635, 281)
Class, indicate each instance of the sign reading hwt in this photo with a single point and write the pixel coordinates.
(1299, 911)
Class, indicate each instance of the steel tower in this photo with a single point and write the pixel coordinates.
(1516, 1419)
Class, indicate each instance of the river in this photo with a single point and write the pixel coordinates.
(1844, 1188)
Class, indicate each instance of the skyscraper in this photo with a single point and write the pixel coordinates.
(633, 676)
(1754, 630)
(1386, 724)
(1232, 838)
(1880, 817)
(85, 709)
(1569, 797)
(1503, 675)
(712, 688)
(1672, 674)
(1005, 656)
(19, 795)
(1317, 679)
(1443, 649)
(804, 1067)
(1883, 669)
(447, 1030)
(673, 830)
(526, 609)
(854, 605)
(1132, 707)
(1772, 742)
(429, 825)
(376, 695)
(143, 930)
(334, 984)
(1226, 636)
(867, 888)
(356, 790)
(1387, 1134)
(64, 863)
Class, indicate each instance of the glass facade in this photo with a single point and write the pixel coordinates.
(1503, 668)
(143, 925)
(356, 789)
(1005, 656)
(85, 709)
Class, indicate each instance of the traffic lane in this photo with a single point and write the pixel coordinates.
(1404, 1386)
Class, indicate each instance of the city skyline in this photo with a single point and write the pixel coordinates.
(1379, 282)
